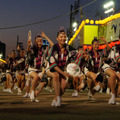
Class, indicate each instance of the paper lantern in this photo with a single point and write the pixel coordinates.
(83, 23)
(118, 14)
(100, 47)
(73, 36)
(100, 21)
(103, 46)
(77, 32)
(114, 17)
(91, 21)
(85, 47)
(96, 22)
(115, 43)
(109, 19)
(104, 22)
(118, 42)
(87, 21)
(90, 47)
(110, 45)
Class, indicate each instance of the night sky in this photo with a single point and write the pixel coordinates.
(21, 12)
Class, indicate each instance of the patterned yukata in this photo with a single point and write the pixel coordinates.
(11, 67)
(96, 65)
(3, 68)
(56, 58)
(21, 66)
(113, 58)
(80, 62)
(36, 58)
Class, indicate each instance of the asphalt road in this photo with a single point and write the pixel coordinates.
(13, 107)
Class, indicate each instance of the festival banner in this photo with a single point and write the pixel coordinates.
(113, 30)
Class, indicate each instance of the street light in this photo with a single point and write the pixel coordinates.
(108, 11)
(109, 7)
(75, 24)
(1, 55)
(75, 29)
(111, 3)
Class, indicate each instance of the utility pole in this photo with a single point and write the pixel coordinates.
(114, 7)
(17, 41)
(71, 20)
(20, 44)
(74, 10)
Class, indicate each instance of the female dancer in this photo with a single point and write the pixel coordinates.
(96, 65)
(59, 56)
(37, 54)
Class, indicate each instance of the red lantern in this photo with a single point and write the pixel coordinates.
(85, 47)
(90, 47)
(110, 45)
(100, 47)
(115, 42)
(103, 46)
(118, 42)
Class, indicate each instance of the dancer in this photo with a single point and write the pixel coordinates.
(37, 54)
(96, 64)
(59, 57)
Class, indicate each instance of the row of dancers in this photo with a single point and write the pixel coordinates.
(38, 64)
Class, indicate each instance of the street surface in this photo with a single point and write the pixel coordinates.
(13, 107)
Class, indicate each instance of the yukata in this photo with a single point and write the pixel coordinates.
(12, 68)
(36, 58)
(56, 58)
(113, 58)
(117, 53)
(20, 68)
(80, 62)
(3, 67)
(96, 65)
(117, 48)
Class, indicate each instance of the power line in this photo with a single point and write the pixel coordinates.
(89, 3)
(46, 20)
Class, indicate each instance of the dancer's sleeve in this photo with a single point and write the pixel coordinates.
(53, 56)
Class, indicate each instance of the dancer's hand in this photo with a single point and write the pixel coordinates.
(66, 75)
(103, 39)
(87, 57)
(29, 37)
(43, 34)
